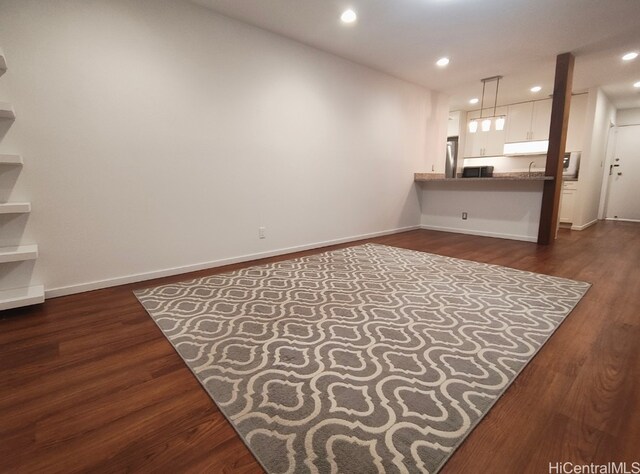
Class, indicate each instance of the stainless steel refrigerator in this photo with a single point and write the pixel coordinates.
(451, 164)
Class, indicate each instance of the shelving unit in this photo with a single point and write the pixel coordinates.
(6, 111)
(33, 294)
(11, 160)
(21, 297)
(15, 208)
(19, 253)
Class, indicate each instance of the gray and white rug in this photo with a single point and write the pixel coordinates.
(361, 360)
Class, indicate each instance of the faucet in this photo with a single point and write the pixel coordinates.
(530, 164)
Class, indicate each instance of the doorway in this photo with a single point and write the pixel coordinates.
(623, 201)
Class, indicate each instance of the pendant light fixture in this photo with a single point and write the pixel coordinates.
(487, 122)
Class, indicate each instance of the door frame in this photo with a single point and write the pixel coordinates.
(608, 163)
(605, 191)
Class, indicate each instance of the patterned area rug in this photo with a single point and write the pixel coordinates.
(365, 359)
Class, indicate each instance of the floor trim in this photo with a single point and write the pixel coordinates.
(584, 226)
(481, 233)
(123, 280)
(620, 219)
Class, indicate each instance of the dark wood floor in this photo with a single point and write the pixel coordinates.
(88, 382)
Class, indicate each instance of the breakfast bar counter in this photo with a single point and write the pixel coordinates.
(505, 205)
(439, 177)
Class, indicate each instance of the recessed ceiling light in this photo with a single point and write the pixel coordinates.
(637, 85)
(630, 56)
(442, 62)
(475, 100)
(536, 89)
(348, 16)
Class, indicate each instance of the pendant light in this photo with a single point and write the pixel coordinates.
(487, 122)
(473, 124)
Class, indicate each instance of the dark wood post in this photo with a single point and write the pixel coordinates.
(557, 143)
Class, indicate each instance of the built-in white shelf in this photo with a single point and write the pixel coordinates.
(29, 295)
(15, 207)
(21, 297)
(18, 253)
(6, 111)
(10, 159)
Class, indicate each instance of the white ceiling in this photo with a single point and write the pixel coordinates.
(518, 39)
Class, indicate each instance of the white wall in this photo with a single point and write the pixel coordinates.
(505, 209)
(601, 114)
(158, 137)
(628, 117)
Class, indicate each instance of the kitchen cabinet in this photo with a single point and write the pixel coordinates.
(481, 143)
(528, 121)
(568, 201)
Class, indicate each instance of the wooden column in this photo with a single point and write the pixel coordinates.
(557, 142)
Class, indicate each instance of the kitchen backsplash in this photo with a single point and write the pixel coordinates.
(503, 164)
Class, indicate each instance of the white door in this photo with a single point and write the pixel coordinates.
(474, 142)
(624, 197)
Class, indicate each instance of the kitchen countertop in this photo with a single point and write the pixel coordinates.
(440, 177)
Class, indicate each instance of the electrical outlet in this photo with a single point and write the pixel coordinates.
(262, 232)
(464, 216)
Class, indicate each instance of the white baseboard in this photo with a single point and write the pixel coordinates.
(584, 226)
(123, 280)
(482, 233)
(622, 220)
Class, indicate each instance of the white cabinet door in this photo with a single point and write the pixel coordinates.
(568, 201)
(474, 142)
(494, 143)
(577, 121)
(481, 143)
(494, 140)
(519, 122)
(541, 120)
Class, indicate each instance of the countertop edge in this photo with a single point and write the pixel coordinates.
(422, 178)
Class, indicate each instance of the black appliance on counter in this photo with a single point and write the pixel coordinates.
(477, 172)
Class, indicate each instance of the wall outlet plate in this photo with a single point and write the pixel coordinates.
(464, 216)
(262, 232)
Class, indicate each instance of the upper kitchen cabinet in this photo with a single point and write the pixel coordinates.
(490, 143)
(528, 121)
(519, 122)
(577, 122)
(541, 121)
